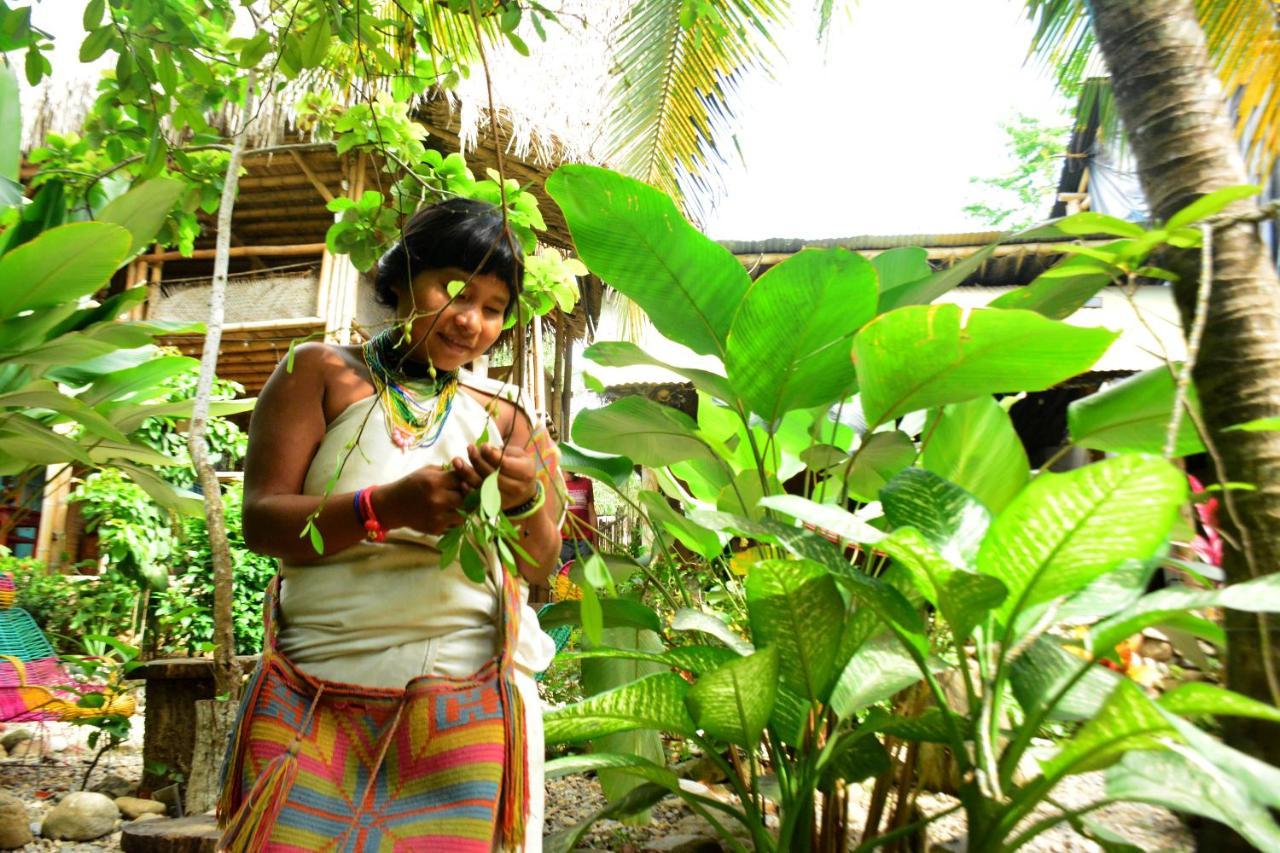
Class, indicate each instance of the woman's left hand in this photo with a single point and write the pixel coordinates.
(516, 467)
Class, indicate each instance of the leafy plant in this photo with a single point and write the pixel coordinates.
(903, 565)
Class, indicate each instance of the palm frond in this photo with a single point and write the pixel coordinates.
(677, 76)
(1243, 38)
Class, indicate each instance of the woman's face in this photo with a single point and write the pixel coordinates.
(454, 332)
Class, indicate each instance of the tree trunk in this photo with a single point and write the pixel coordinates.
(225, 673)
(1173, 108)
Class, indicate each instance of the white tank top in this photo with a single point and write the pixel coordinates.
(382, 613)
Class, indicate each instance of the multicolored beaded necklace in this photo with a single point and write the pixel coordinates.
(416, 409)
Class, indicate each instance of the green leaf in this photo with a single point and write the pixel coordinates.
(626, 354)
(1117, 590)
(734, 702)
(615, 613)
(925, 356)
(1045, 667)
(315, 43)
(949, 518)
(490, 497)
(473, 562)
(1065, 530)
(686, 619)
(863, 758)
(1133, 416)
(962, 597)
(1211, 204)
(590, 611)
(925, 290)
(33, 443)
(1183, 782)
(1127, 721)
(143, 209)
(789, 342)
(880, 669)
(700, 540)
(929, 727)
(825, 518)
(1259, 425)
(1088, 223)
(1061, 290)
(879, 458)
(635, 239)
(61, 265)
(45, 395)
(10, 124)
(795, 606)
(96, 43)
(653, 702)
(129, 416)
(974, 445)
(637, 801)
(649, 433)
(695, 659)
(899, 267)
(141, 382)
(182, 502)
(1260, 595)
(1197, 698)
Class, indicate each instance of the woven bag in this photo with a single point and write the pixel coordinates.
(440, 765)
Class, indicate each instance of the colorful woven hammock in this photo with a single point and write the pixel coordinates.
(318, 765)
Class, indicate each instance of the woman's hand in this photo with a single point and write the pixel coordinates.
(428, 500)
(516, 467)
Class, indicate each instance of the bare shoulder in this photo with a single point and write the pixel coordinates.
(331, 374)
(501, 400)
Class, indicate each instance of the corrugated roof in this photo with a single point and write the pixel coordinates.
(873, 242)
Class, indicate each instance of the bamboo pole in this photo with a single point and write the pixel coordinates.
(311, 176)
(539, 377)
(284, 251)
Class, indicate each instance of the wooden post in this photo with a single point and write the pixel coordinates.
(557, 376)
(155, 275)
(53, 513)
(539, 378)
(566, 397)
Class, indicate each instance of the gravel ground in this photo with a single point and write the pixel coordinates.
(40, 780)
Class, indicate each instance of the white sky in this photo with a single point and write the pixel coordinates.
(880, 132)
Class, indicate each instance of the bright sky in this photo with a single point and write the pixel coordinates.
(880, 133)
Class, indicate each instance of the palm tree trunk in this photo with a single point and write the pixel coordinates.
(1173, 108)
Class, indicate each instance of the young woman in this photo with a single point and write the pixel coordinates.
(391, 430)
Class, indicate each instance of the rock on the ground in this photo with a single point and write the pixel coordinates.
(13, 738)
(14, 829)
(146, 816)
(82, 816)
(133, 807)
(115, 786)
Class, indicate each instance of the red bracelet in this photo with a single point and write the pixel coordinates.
(373, 530)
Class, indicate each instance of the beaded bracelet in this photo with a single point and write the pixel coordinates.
(529, 507)
(373, 530)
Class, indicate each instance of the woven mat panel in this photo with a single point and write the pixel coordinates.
(249, 298)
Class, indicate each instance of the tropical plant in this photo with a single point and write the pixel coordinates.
(919, 553)
(1020, 197)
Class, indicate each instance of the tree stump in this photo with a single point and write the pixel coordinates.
(214, 720)
(197, 834)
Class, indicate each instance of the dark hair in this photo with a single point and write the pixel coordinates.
(459, 232)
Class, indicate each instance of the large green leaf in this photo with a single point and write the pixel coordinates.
(880, 456)
(626, 354)
(924, 356)
(880, 669)
(973, 444)
(653, 702)
(43, 394)
(1182, 781)
(1133, 416)
(693, 536)
(789, 342)
(616, 612)
(161, 491)
(10, 123)
(1260, 595)
(734, 702)
(143, 209)
(964, 598)
(949, 518)
(899, 267)
(143, 382)
(1064, 531)
(1045, 667)
(924, 290)
(1195, 698)
(30, 442)
(695, 659)
(649, 433)
(1127, 721)
(827, 519)
(1117, 590)
(61, 265)
(795, 606)
(614, 470)
(686, 619)
(634, 238)
(1059, 292)
(129, 416)
(859, 758)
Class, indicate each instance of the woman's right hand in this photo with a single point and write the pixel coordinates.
(428, 500)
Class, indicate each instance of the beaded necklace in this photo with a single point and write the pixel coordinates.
(416, 410)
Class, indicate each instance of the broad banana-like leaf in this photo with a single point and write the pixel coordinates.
(626, 354)
(789, 341)
(876, 461)
(142, 210)
(1060, 291)
(973, 444)
(699, 539)
(653, 702)
(924, 356)
(43, 394)
(734, 702)
(686, 619)
(949, 518)
(964, 598)
(828, 519)
(1133, 416)
(61, 265)
(646, 432)
(140, 383)
(1066, 530)
(129, 416)
(795, 606)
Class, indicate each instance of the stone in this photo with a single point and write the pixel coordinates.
(82, 816)
(683, 844)
(14, 829)
(28, 748)
(145, 816)
(196, 834)
(115, 786)
(1157, 650)
(132, 807)
(4, 753)
(14, 737)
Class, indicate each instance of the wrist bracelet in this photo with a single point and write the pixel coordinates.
(373, 530)
(529, 507)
